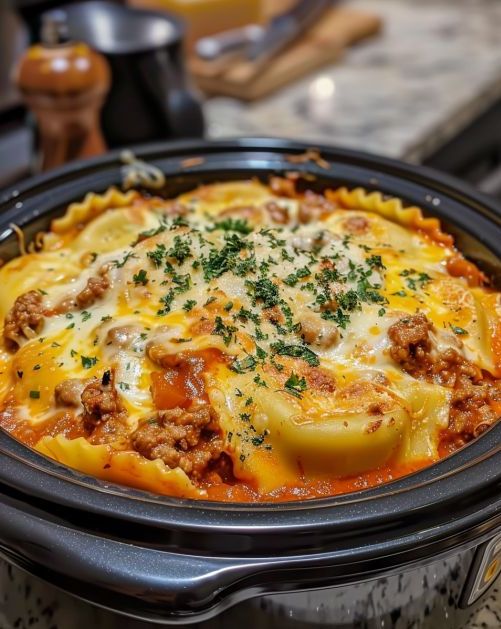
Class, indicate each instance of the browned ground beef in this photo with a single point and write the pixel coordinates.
(123, 336)
(111, 431)
(356, 225)
(470, 411)
(175, 208)
(69, 392)
(95, 289)
(277, 213)
(410, 343)
(180, 438)
(283, 187)
(101, 401)
(24, 320)
(314, 207)
(240, 211)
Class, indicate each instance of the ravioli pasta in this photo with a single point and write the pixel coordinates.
(247, 342)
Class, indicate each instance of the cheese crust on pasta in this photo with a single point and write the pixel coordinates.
(247, 342)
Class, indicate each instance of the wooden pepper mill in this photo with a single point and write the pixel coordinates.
(64, 84)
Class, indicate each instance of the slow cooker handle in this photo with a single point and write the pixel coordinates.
(132, 579)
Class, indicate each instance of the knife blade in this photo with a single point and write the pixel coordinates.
(237, 39)
(255, 41)
(284, 28)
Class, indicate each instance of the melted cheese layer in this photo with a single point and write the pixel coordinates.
(300, 311)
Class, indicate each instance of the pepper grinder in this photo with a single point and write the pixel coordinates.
(64, 84)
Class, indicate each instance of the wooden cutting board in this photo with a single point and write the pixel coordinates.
(324, 43)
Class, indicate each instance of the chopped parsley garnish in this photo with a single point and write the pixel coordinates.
(221, 261)
(88, 361)
(179, 221)
(35, 395)
(119, 264)
(457, 330)
(340, 318)
(243, 366)
(166, 301)
(415, 279)
(245, 266)
(348, 301)
(257, 441)
(180, 250)
(293, 278)
(183, 284)
(296, 351)
(226, 331)
(263, 291)
(141, 277)
(295, 385)
(239, 225)
(157, 255)
(86, 315)
(189, 304)
(375, 262)
(259, 381)
(272, 239)
(153, 232)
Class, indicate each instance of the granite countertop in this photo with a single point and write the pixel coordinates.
(435, 67)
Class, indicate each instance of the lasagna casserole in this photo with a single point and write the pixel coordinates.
(247, 342)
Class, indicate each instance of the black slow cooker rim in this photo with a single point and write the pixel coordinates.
(340, 513)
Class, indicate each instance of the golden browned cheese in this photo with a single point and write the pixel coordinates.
(257, 343)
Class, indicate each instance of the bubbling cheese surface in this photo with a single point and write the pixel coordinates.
(269, 314)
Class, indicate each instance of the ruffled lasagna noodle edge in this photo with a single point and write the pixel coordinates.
(392, 209)
(92, 206)
(123, 467)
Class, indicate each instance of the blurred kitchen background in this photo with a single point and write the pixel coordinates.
(416, 80)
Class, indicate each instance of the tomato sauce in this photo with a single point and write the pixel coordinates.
(184, 382)
(311, 488)
(61, 424)
(457, 266)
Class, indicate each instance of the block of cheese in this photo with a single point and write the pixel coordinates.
(206, 17)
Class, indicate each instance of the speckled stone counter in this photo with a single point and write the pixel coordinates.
(434, 68)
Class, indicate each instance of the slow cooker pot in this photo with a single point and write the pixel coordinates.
(420, 551)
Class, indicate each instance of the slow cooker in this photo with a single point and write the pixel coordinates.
(422, 551)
